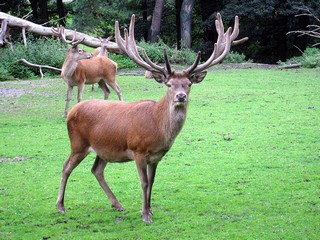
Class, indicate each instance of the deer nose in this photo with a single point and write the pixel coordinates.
(181, 97)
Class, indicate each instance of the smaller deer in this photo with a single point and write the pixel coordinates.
(102, 51)
(80, 68)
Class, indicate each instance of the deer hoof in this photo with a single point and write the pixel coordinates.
(146, 216)
(147, 219)
(61, 208)
(118, 207)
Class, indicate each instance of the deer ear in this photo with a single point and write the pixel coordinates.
(158, 76)
(198, 77)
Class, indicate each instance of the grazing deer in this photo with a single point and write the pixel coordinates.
(80, 68)
(142, 131)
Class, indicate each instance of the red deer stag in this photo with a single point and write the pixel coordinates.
(143, 131)
(80, 68)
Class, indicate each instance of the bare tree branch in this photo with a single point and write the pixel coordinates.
(313, 29)
(25, 62)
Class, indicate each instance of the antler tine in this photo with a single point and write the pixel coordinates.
(166, 59)
(195, 64)
(133, 47)
(221, 47)
(59, 31)
(119, 39)
(132, 52)
(235, 33)
(153, 65)
(125, 46)
(130, 39)
(55, 31)
(76, 43)
(128, 45)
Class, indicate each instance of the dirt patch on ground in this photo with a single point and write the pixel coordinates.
(15, 159)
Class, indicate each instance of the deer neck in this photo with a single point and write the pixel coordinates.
(171, 119)
(68, 67)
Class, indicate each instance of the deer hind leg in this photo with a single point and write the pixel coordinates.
(69, 94)
(104, 88)
(72, 162)
(98, 171)
(117, 89)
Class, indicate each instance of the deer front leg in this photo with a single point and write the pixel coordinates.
(142, 170)
(97, 170)
(69, 94)
(151, 174)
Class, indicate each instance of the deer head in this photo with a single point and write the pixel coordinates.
(74, 53)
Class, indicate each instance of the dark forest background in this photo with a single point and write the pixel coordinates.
(184, 23)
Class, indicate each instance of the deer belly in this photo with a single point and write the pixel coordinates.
(113, 156)
(92, 80)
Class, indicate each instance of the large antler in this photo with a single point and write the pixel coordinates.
(221, 47)
(59, 32)
(128, 45)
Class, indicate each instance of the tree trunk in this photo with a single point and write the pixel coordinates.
(156, 20)
(178, 4)
(34, 7)
(14, 22)
(145, 19)
(43, 5)
(61, 13)
(186, 20)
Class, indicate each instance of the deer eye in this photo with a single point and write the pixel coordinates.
(80, 51)
(168, 85)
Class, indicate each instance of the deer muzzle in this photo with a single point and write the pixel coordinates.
(180, 97)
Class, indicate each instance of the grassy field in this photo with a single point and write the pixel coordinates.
(245, 166)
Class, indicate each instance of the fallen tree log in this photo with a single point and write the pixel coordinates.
(25, 25)
(297, 65)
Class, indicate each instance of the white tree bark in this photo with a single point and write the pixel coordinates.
(15, 22)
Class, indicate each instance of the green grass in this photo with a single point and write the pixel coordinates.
(245, 166)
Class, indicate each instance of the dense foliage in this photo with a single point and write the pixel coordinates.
(265, 22)
(267, 25)
(309, 59)
(55, 52)
(40, 51)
